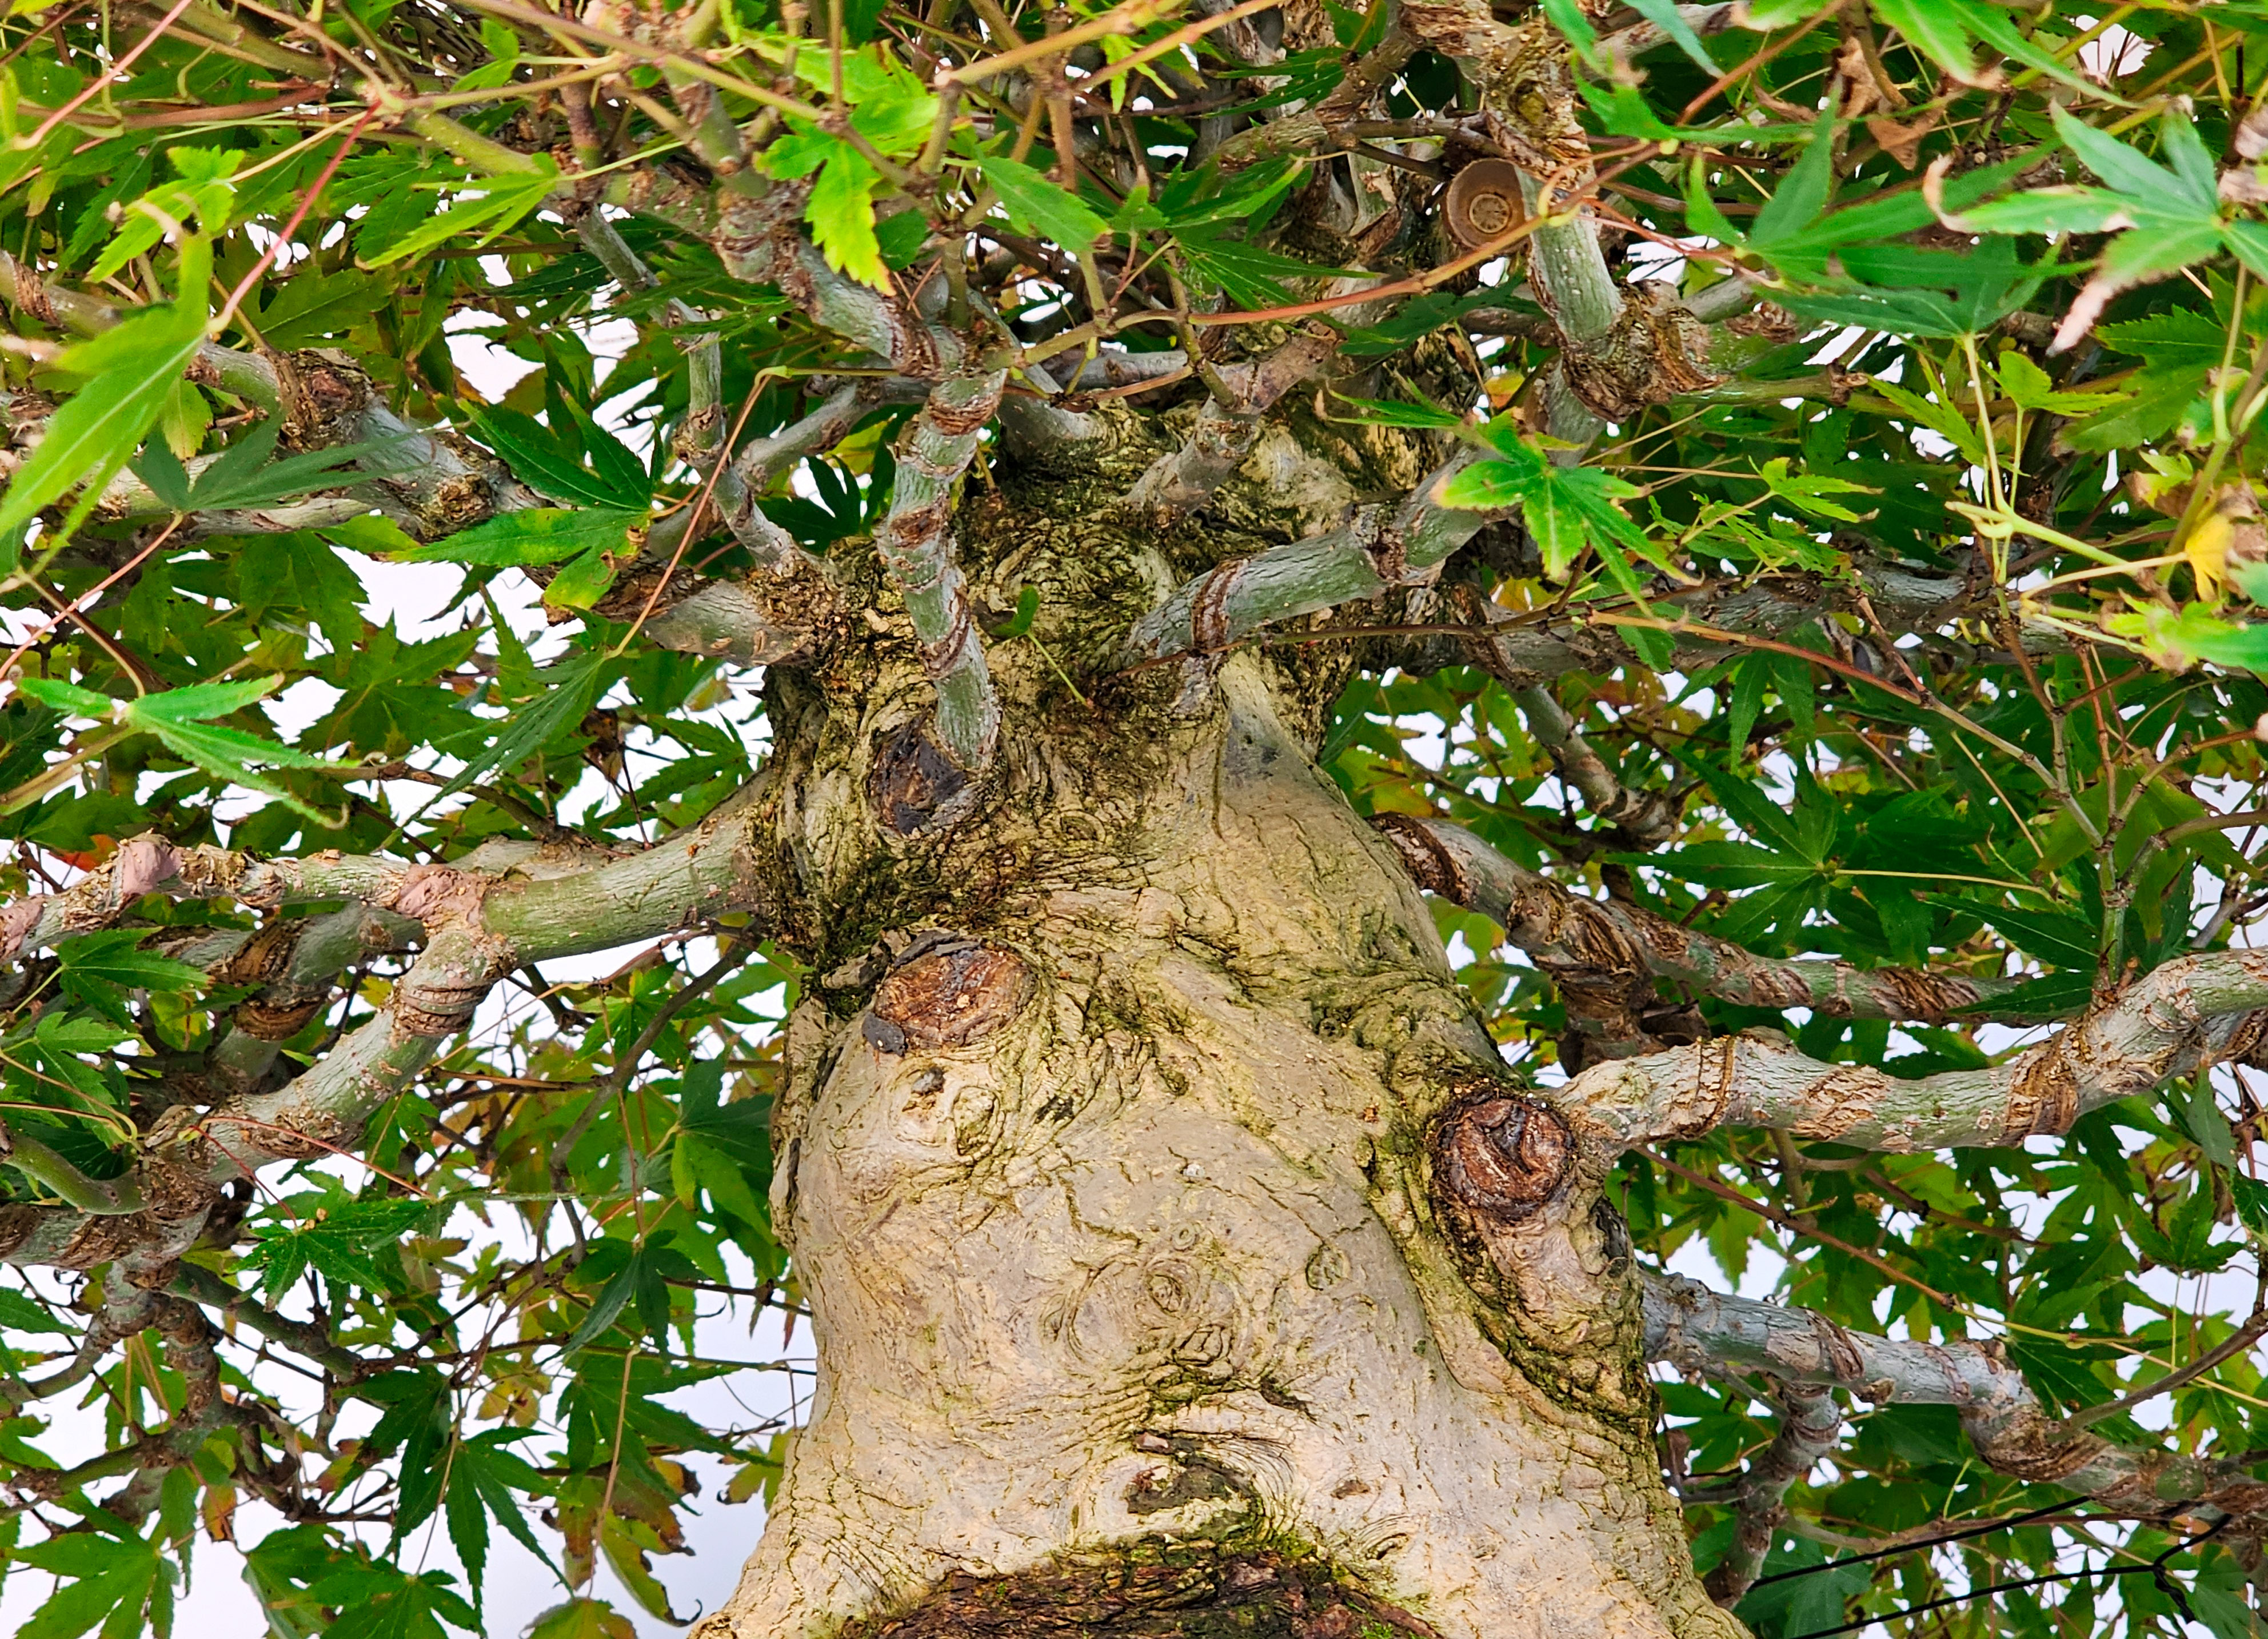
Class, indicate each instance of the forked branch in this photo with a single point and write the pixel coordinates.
(1380, 549)
(1710, 1333)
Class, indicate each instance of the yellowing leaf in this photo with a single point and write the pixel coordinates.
(2227, 541)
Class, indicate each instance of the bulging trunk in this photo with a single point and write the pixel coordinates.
(1129, 1156)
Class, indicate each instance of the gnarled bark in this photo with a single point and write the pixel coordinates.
(1155, 1184)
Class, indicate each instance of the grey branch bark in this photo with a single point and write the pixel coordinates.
(704, 426)
(1810, 1428)
(1109, 369)
(760, 240)
(1710, 1333)
(432, 483)
(1379, 548)
(1521, 652)
(1649, 816)
(297, 965)
(1704, 20)
(760, 462)
(150, 864)
(915, 542)
(1600, 951)
(1182, 483)
(2190, 1012)
(301, 1337)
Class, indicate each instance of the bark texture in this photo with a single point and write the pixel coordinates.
(1181, 1260)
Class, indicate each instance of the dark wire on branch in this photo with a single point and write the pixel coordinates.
(2155, 1570)
(1984, 1530)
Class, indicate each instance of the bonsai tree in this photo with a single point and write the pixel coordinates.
(1274, 712)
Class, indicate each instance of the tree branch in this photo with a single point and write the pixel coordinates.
(1649, 816)
(430, 482)
(760, 240)
(1810, 1428)
(2190, 1012)
(479, 927)
(1523, 652)
(150, 864)
(300, 962)
(705, 366)
(915, 543)
(1704, 20)
(1378, 549)
(1589, 945)
(202, 1286)
(1182, 482)
(1710, 1333)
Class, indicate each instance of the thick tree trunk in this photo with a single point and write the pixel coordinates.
(1110, 1171)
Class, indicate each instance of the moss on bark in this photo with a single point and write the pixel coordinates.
(1155, 1590)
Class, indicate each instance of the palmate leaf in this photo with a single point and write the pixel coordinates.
(1569, 510)
(2056, 937)
(2078, 208)
(19, 1313)
(1804, 1604)
(337, 1237)
(2177, 351)
(128, 372)
(1948, 33)
(409, 1607)
(1250, 274)
(1394, 413)
(179, 718)
(1922, 292)
(1034, 204)
(640, 1282)
(841, 212)
(1802, 194)
(725, 1148)
(2187, 187)
(841, 207)
(582, 1619)
(539, 458)
(243, 476)
(487, 206)
(312, 305)
(296, 572)
(102, 970)
(582, 580)
(536, 535)
(113, 1579)
(485, 1478)
(53, 1047)
(1195, 198)
(568, 688)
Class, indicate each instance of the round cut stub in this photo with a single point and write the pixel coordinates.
(1501, 1156)
(953, 994)
(1485, 202)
